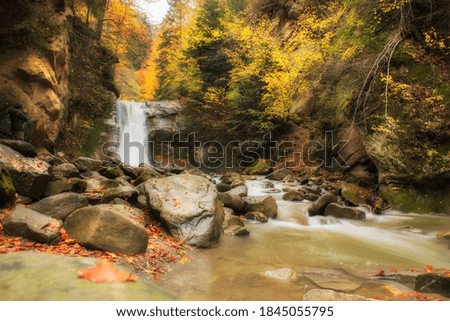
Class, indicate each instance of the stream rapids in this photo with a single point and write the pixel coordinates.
(327, 253)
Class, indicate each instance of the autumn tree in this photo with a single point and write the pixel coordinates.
(172, 39)
(93, 12)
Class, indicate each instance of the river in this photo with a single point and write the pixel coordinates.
(326, 253)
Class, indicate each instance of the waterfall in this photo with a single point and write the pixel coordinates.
(133, 133)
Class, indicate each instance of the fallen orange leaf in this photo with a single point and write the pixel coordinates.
(394, 270)
(429, 268)
(106, 272)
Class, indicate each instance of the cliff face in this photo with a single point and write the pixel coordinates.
(34, 67)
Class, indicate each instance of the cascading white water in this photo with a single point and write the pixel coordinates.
(133, 133)
(342, 255)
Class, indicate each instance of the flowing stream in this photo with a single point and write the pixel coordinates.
(343, 255)
(133, 133)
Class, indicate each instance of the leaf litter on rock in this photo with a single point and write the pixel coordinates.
(158, 258)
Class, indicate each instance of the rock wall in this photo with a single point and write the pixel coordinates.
(165, 120)
(34, 66)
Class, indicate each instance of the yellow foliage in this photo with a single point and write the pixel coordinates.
(387, 6)
(123, 21)
(148, 75)
(434, 41)
(423, 110)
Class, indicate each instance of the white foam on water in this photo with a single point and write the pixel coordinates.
(376, 230)
(133, 133)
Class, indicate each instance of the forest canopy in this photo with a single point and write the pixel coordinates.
(250, 67)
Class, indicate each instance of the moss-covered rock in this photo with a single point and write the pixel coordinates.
(7, 190)
(145, 176)
(417, 201)
(33, 276)
(354, 194)
(111, 172)
(259, 167)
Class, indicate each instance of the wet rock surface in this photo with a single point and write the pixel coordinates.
(33, 276)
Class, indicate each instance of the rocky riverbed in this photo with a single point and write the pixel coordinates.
(151, 221)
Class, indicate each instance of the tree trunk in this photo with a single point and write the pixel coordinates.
(102, 6)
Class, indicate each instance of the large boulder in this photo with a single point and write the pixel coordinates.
(294, 196)
(354, 151)
(339, 211)
(32, 225)
(123, 192)
(280, 174)
(7, 190)
(318, 207)
(31, 276)
(24, 148)
(60, 206)
(165, 120)
(64, 185)
(129, 171)
(96, 184)
(264, 204)
(232, 201)
(111, 172)
(189, 205)
(66, 170)
(131, 212)
(30, 176)
(85, 164)
(48, 157)
(107, 228)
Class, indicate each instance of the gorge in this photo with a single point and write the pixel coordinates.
(366, 87)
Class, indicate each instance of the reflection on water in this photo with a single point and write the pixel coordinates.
(341, 255)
